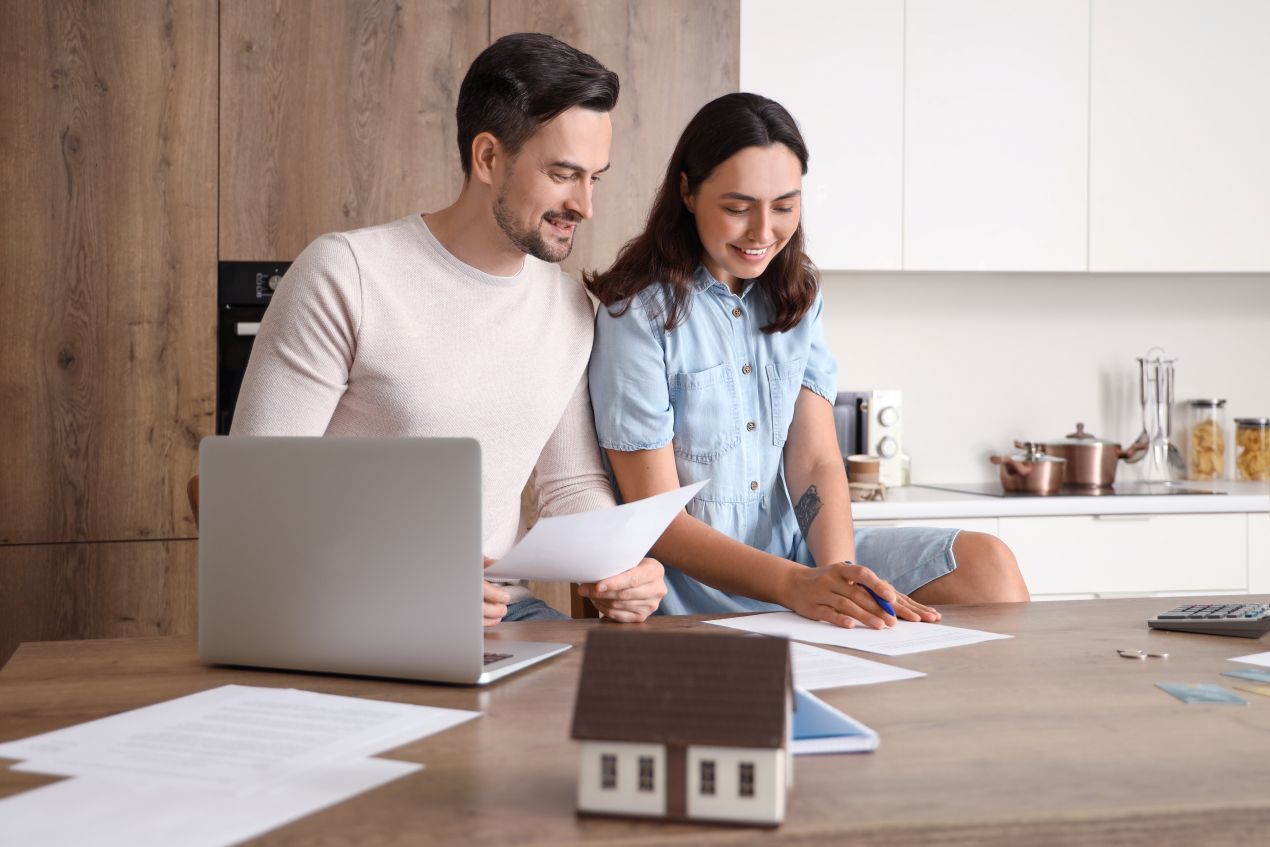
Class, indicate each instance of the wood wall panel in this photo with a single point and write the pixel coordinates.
(337, 115)
(108, 250)
(50, 592)
(672, 57)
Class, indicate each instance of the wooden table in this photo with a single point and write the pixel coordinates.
(1049, 737)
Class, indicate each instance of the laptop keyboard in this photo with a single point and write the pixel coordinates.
(491, 658)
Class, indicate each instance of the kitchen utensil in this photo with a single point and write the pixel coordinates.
(1162, 460)
(1030, 472)
(1091, 461)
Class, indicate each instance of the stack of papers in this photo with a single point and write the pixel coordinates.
(213, 768)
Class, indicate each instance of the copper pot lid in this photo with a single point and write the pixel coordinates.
(1080, 437)
(1033, 451)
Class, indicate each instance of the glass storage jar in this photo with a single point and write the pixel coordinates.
(1206, 439)
(1252, 448)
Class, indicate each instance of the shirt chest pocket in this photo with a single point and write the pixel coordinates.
(783, 381)
(707, 413)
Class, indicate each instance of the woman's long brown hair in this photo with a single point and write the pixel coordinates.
(668, 251)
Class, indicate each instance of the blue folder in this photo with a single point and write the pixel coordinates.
(820, 728)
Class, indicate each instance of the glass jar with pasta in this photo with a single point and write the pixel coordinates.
(1206, 439)
(1252, 448)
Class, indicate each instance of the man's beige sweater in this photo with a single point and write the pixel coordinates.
(381, 331)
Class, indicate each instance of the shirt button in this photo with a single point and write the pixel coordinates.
(754, 486)
(736, 313)
(750, 426)
(745, 369)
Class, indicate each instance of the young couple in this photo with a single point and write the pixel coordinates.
(708, 361)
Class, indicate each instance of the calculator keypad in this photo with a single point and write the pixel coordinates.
(1217, 611)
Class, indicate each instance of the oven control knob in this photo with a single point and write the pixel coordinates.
(888, 416)
(273, 282)
(888, 448)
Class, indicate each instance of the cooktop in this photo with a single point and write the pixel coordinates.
(1124, 489)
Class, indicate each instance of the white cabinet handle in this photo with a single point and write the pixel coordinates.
(1123, 518)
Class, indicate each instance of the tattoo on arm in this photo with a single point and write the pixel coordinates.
(807, 509)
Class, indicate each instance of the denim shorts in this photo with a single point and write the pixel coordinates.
(908, 557)
(532, 609)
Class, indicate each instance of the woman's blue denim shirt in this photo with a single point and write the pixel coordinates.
(721, 391)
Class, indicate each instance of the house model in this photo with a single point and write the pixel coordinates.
(685, 726)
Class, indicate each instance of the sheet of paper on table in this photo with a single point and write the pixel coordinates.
(1262, 659)
(591, 546)
(214, 738)
(212, 768)
(109, 813)
(900, 640)
(816, 668)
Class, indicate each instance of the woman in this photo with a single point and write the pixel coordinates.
(709, 363)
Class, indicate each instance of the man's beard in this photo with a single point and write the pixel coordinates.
(530, 240)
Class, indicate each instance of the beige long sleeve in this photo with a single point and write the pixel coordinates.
(381, 331)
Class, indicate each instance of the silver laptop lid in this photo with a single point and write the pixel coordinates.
(345, 555)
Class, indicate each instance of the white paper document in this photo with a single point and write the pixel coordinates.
(816, 668)
(591, 546)
(105, 813)
(234, 737)
(903, 638)
(212, 768)
(1262, 659)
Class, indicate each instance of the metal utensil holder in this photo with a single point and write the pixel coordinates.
(1162, 461)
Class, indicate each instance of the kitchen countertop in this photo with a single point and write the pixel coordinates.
(916, 502)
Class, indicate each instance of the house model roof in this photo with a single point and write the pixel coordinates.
(682, 688)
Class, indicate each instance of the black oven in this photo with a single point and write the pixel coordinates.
(243, 291)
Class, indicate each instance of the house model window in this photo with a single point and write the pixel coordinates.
(645, 773)
(747, 779)
(707, 776)
(608, 771)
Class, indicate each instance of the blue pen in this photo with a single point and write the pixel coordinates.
(886, 607)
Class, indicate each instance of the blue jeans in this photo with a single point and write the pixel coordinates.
(532, 609)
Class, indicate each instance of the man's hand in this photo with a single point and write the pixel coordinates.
(631, 596)
(836, 593)
(496, 598)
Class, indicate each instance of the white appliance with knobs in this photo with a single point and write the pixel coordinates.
(882, 426)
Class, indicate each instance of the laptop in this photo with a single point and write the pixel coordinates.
(347, 555)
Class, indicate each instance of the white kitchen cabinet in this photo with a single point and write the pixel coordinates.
(1180, 126)
(1259, 554)
(838, 67)
(1131, 554)
(996, 135)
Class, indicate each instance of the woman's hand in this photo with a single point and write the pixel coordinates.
(836, 593)
(910, 610)
(631, 596)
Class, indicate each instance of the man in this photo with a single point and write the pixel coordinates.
(459, 322)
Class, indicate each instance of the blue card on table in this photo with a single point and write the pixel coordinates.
(1251, 674)
(1201, 693)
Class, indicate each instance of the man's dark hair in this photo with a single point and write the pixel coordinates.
(521, 82)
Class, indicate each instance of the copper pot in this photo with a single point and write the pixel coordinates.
(1032, 471)
(1091, 462)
